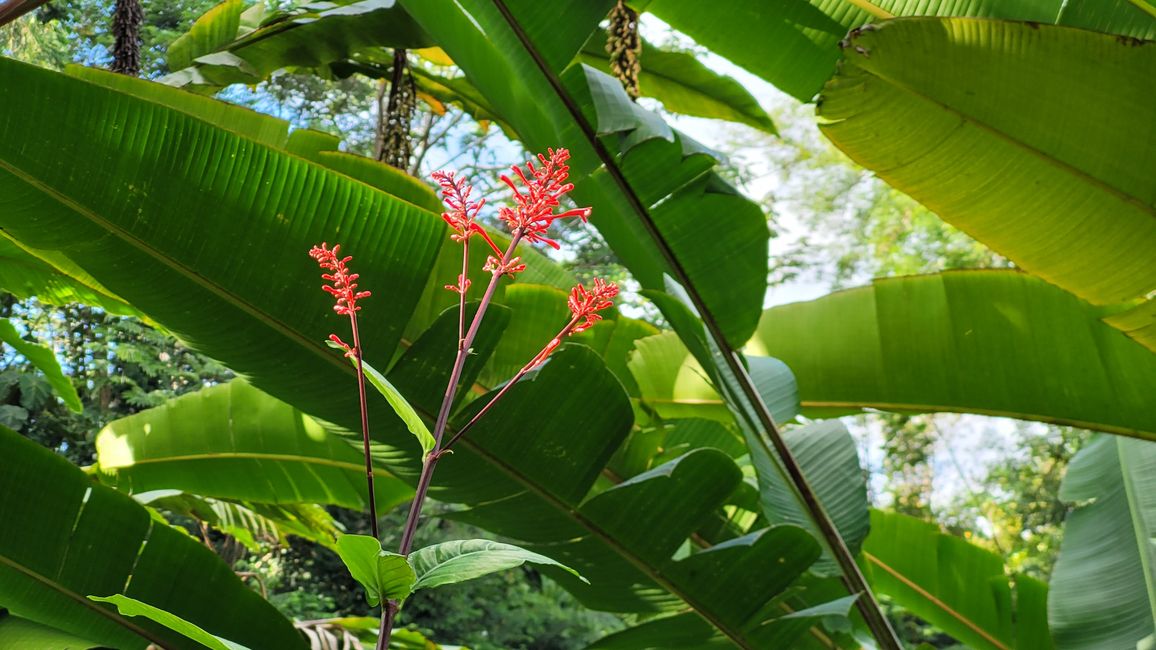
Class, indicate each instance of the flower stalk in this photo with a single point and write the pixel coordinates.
(536, 194)
(343, 288)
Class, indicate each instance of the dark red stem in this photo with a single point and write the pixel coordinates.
(431, 459)
(364, 425)
(537, 360)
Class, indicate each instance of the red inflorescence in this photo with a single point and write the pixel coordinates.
(344, 283)
(535, 201)
(584, 304)
(463, 212)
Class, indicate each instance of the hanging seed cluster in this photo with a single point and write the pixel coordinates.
(126, 20)
(396, 147)
(625, 47)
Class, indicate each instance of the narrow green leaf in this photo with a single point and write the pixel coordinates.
(400, 405)
(45, 361)
(384, 575)
(133, 607)
(465, 559)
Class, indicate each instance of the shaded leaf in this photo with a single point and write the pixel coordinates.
(465, 559)
(1103, 587)
(65, 537)
(45, 361)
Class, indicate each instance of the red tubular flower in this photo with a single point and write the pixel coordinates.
(540, 193)
(463, 212)
(344, 287)
(584, 304)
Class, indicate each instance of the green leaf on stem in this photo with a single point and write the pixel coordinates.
(396, 400)
(385, 575)
(465, 559)
(133, 607)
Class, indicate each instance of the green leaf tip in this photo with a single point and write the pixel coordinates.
(466, 559)
(397, 401)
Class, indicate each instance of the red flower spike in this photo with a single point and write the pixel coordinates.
(463, 212)
(584, 304)
(344, 283)
(540, 193)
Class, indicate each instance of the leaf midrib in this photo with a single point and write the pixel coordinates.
(1139, 529)
(642, 565)
(115, 617)
(934, 601)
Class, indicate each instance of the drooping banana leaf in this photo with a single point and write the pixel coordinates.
(989, 342)
(308, 35)
(794, 45)
(65, 538)
(44, 360)
(1103, 588)
(224, 258)
(234, 442)
(1036, 140)
(24, 275)
(684, 85)
(1139, 323)
(956, 586)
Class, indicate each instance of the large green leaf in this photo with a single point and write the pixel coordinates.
(529, 471)
(232, 441)
(989, 342)
(794, 44)
(208, 261)
(958, 587)
(24, 275)
(684, 85)
(672, 382)
(21, 634)
(465, 559)
(44, 360)
(830, 460)
(307, 35)
(662, 182)
(1103, 589)
(65, 538)
(1036, 140)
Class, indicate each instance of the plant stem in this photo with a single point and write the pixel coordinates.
(535, 362)
(364, 426)
(389, 611)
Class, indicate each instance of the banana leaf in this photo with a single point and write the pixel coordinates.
(65, 538)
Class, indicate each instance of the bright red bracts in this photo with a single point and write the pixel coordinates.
(539, 195)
